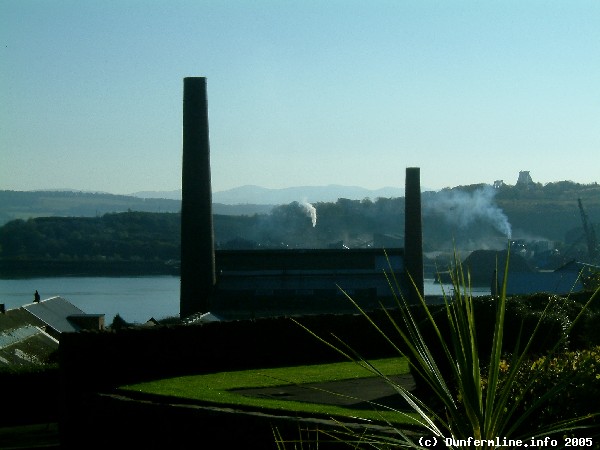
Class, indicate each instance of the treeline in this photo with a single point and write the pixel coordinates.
(156, 236)
(120, 236)
(470, 217)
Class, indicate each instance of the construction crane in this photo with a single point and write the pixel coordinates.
(590, 235)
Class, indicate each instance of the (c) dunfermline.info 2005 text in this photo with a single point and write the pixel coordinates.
(504, 442)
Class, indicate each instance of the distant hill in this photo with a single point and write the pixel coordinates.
(171, 195)
(29, 204)
(244, 200)
(479, 216)
(258, 195)
(545, 223)
(312, 194)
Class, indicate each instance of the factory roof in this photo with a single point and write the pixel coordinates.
(303, 259)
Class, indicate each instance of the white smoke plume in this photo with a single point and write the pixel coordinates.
(311, 211)
(463, 208)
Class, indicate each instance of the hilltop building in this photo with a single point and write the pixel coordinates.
(524, 179)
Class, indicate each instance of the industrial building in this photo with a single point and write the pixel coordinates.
(253, 283)
(243, 283)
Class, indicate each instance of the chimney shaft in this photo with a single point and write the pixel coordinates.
(413, 234)
(197, 234)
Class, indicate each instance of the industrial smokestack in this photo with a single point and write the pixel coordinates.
(197, 233)
(413, 233)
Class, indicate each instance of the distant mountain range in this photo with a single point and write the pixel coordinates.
(258, 195)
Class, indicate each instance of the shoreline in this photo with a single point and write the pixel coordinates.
(10, 269)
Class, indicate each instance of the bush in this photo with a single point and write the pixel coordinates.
(551, 315)
(576, 372)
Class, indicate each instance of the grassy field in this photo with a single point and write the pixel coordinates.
(223, 388)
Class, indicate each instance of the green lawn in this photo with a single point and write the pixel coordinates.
(219, 388)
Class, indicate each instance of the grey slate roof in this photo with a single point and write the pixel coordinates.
(15, 335)
(25, 346)
(54, 312)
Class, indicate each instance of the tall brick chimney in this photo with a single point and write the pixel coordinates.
(413, 233)
(197, 234)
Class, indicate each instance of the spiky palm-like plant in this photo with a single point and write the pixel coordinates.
(473, 401)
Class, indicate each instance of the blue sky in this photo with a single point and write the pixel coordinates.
(299, 92)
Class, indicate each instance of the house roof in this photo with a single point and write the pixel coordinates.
(10, 337)
(54, 312)
(25, 345)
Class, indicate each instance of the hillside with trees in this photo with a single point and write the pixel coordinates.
(31, 204)
(543, 219)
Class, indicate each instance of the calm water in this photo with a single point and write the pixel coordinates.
(135, 299)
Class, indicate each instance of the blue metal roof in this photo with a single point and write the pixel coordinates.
(557, 282)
